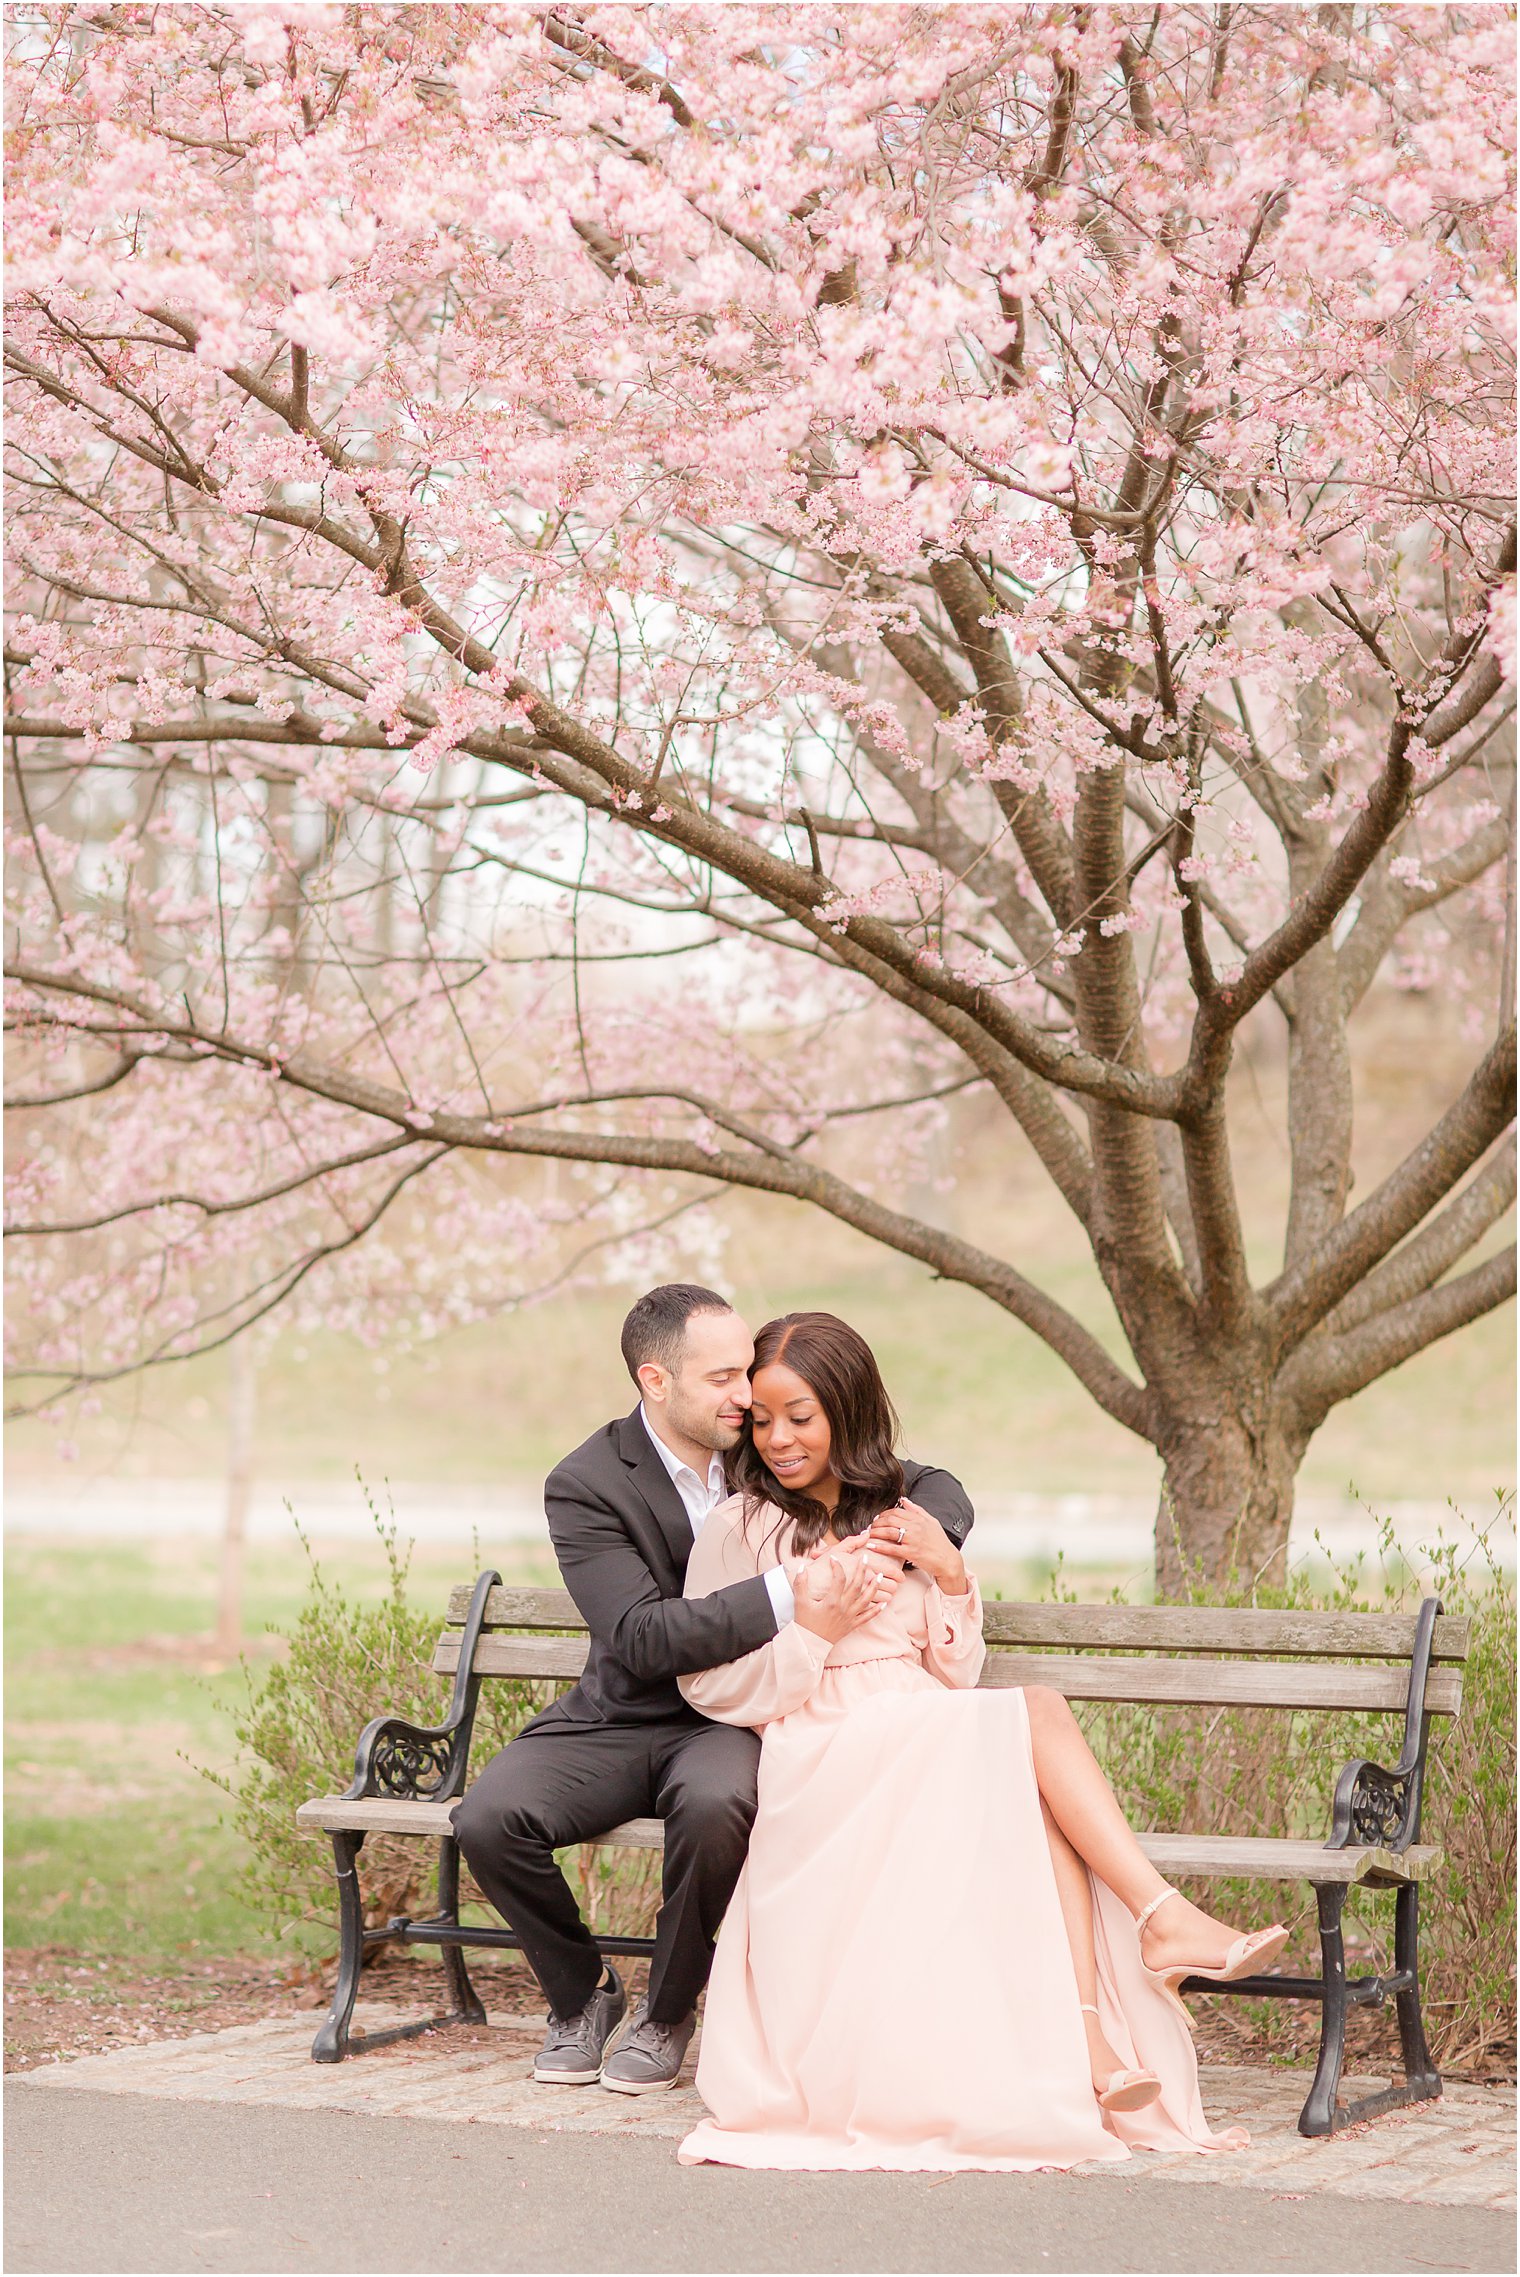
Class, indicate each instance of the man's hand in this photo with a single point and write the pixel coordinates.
(837, 1592)
(911, 1537)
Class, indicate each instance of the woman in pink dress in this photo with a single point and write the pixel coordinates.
(947, 1949)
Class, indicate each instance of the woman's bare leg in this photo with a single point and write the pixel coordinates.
(1085, 1809)
(1075, 1892)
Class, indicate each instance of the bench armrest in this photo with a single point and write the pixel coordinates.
(426, 1762)
(415, 1762)
(1376, 1804)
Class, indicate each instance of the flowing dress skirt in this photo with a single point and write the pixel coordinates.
(893, 1985)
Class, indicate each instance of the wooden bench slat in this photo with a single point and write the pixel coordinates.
(376, 1814)
(1132, 1628)
(1214, 1629)
(515, 1656)
(513, 1608)
(1262, 1858)
(1270, 1684)
(1224, 1683)
(1204, 1856)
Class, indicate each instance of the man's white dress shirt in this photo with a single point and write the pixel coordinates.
(701, 1497)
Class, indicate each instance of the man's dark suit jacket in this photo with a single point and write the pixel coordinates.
(622, 1537)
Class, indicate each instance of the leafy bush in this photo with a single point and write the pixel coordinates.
(1256, 1771)
(297, 1729)
(298, 1726)
(1469, 1931)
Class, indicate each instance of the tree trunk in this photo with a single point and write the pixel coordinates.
(1226, 1498)
(241, 1394)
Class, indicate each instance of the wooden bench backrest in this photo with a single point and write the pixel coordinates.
(1196, 1654)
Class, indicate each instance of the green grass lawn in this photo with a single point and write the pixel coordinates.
(115, 1704)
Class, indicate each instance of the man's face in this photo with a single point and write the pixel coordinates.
(705, 1397)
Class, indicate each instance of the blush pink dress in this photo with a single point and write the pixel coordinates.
(893, 1985)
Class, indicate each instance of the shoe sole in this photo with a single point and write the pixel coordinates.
(1265, 1952)
(640, 2086)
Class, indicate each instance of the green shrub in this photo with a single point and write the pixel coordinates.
(1257, 1771)
(297, 1729)
(1468, 1933)
(300, 1722)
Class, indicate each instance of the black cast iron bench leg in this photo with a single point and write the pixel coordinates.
(1420, 2074)
(1323, 2113)
(466, 2001)
(331, 2043)
(1318, 2116)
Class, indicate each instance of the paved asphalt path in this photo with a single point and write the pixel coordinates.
(117, 2183)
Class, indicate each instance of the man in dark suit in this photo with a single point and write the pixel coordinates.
(623, 1512)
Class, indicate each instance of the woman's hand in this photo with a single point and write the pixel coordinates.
(912, 1537)
(835, 1593)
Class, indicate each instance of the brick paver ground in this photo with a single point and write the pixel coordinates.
(1459, 2151)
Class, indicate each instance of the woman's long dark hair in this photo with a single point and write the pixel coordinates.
(839, 1368)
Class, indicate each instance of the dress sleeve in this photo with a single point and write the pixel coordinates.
(955, 1651)
(775, 1678)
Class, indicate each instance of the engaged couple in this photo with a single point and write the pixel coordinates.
(942, 1946)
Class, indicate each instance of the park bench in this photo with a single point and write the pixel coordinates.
(408, 1778)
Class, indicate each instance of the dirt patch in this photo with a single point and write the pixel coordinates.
(1226, 2032)
(58, 2005)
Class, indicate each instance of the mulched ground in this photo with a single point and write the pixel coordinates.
(59, 2004)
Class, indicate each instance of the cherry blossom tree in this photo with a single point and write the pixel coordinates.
(662, 589)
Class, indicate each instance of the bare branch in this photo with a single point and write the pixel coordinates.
(1344, 1365)
(273, 1294)
(1388, 905)
(208, 1209)
(766, 1167)
(1432, 1252)
(1302, 1296)
(21, 1101)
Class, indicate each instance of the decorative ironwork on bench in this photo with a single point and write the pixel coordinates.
(410, 1762)
(1379, 1805)
(1374, 1804)
(427, 1762)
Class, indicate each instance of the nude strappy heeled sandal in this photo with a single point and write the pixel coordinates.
(1126, 2090)
(1244, 1956)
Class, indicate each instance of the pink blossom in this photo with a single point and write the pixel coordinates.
(571, 599)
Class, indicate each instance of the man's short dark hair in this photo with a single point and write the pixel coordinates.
(655, 1331)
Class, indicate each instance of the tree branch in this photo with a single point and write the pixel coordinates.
(1344, 1365)
(1422, 1261)
(767, 1168)
(1302, 1296)
(1388, 905)
(19, 1102)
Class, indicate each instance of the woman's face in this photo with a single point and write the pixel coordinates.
(791, 1431)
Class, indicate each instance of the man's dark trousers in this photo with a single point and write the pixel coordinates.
(556, 1785)
(623, 1743)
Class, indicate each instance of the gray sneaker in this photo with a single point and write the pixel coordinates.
(571, 2055)
(649, 2055)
